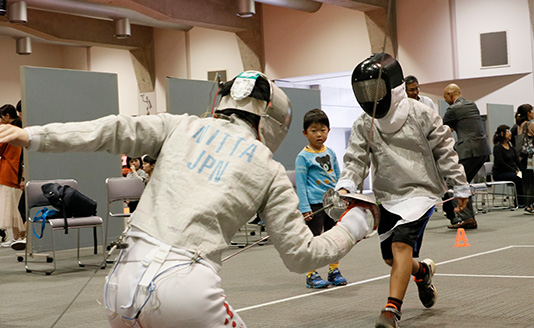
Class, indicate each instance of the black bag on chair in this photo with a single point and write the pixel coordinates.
(68, 201)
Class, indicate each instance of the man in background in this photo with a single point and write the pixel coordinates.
(472, 147)
(412, 90)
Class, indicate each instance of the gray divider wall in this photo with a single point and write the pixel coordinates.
(193, 97)
(56, 95)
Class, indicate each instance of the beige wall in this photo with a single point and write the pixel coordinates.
(43, 55)
(171, 60)
(297, 43)
(435, 44)
(118, 61)
(439, 43)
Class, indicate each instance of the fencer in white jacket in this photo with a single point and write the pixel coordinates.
(212, 175)
(413, 156)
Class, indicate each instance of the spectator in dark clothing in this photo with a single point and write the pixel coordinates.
(506, 161)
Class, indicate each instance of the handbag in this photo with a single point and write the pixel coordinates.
(68, 201)
(524, 143)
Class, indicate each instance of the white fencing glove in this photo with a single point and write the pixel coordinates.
(355, 221)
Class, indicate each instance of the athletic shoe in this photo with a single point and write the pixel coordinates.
(3, 235)
(19, 245)
(335, 278)
(528, 211)
(466, 224)
(427, 292)
(389, 318)
(315, 281)
(8, 243)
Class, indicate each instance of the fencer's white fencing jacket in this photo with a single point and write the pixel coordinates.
(413, 157)
(211, 176)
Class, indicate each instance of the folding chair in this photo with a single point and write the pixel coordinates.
(505, 189)
(480, 191)
(121, 190)
(34, 199)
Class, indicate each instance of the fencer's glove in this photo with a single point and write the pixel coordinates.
(355, 221)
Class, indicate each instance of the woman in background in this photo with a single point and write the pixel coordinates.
(10, 191)
(525, 113)
(506, 161)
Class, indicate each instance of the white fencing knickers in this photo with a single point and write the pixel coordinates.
(155, 285)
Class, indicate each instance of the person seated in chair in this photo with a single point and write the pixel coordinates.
(506, 161)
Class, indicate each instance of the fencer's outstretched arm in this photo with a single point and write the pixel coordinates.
(14, 135)
(294, 241)
(115, 134)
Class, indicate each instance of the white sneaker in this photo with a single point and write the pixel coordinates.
(8, 243)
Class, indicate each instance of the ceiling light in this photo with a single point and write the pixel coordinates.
(122, 28)
(246, 8)
(17, 12)
(24, 46)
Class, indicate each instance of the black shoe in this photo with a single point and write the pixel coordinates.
(389, 318)
(427, 291)
(3, 235)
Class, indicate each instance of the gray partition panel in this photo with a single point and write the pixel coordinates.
(497, 115)
(54, 95)
(442, 107)
(302, 100)
(196, 97)
(192, 97)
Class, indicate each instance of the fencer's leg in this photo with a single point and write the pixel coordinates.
(191, 297)
(182, 294)
(401, 270)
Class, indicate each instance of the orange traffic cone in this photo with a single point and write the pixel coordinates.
(461, 238)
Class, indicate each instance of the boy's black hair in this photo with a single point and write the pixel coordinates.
(261, 91)
(499, 135)
(149, 160)
(315, 116)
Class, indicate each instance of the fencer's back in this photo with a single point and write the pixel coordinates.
(212, 175)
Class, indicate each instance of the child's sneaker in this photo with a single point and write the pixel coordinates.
(335, 278)
(315, 281)
(389, 318)
(427, 292)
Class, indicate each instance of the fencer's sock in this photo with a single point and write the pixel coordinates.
(333, 267)
(394, 303)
